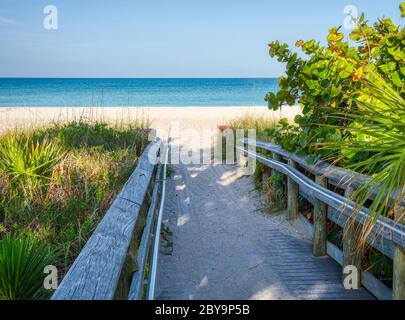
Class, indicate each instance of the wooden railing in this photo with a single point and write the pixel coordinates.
(387, 236)
(112, 264)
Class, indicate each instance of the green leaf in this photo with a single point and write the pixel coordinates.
(334, 35)
(283, 82)
(344, 74)
(283, 122)
(396, 79)
(298, 118)
(312, 84)
(397, 53)
(375, 52)
(388, 67)
(335, 91)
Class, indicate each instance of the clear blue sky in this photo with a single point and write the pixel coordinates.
(163, 38)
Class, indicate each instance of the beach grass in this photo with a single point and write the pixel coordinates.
(256, 122)
(57, 182)
(252, 121)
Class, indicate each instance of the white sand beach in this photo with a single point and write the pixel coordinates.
(159, 118)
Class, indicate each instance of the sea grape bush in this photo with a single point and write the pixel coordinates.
(328, 79)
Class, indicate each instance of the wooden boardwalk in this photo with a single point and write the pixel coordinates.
(224, 248)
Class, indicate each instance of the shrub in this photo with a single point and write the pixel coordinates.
(352, 98)
(330, 77)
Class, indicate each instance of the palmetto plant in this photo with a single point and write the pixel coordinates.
(23, 158)
(22, 264)
(377, 131)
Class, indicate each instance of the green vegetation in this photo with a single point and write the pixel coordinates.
(332, 77)
(378, 131)
(351, 92)
(22, 264)
(55, 186)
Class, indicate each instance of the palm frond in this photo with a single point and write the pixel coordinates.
(379, 132)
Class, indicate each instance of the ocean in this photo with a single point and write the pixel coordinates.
(68, 92)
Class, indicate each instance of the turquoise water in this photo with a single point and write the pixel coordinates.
(135, 92)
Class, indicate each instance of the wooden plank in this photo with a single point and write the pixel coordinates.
(398, 284)
(145, 168)
(337, 176)
(97, 271)
(334, 174)
(137, 285)
(368, 281)
(337, 217)
(293, 193)
(376, 241)
(335, 252)
(375, 286)
(320, 218)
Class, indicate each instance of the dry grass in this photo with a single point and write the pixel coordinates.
(249, 121)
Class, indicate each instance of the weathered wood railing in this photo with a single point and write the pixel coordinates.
(112, 264)
(387, 236)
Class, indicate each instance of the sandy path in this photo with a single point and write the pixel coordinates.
(223, 248)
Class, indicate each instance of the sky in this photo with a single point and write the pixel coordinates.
(164, 38)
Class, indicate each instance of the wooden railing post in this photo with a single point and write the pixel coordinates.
(351, 250)
(398, 281)
(320, 218)
(293, 193)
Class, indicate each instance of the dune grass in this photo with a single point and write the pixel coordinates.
(56, 183)
(258, 123)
